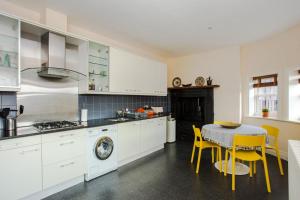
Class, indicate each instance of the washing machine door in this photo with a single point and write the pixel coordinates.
(104, 148)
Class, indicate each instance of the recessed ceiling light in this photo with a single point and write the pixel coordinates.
(210, 28)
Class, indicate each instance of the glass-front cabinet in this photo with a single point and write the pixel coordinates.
(98, 70)
(9, 54)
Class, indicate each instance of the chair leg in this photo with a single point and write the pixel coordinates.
(233, 173)
(266, 173)
(220, 158)
(251, 168)
(279, 162)
(226, 162)
(254, 167)
(193, 152)
(212, 155)
(198, 161)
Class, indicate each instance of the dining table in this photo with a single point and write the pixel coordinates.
(224, 137)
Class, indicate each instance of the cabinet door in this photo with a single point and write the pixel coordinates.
(9, 54)
(60, 172)
(162, 129)
(20, 172)
(128, 140)
(148, 135)
(98, 67)
(122, 71)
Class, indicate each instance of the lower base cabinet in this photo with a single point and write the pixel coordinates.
(63, 156)
(136, 139)
(128, 140)
(60, 172)
(20, 168)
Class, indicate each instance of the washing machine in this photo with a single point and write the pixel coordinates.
(101, 151)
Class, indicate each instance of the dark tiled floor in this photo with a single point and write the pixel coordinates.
(167, 174)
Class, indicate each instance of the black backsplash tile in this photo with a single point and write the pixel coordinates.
(105, 106)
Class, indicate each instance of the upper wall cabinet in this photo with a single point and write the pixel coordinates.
(136, 75)
(97, 70)
(9, 54)
(98, 67)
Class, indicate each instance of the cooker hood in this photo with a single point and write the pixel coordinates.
(54, 58)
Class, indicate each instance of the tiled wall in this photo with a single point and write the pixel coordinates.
(105, 106)
(99, 106)
(7, 100)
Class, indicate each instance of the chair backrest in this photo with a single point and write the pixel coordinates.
(273, 134)
(271, 130)
(249, 141)
(197, 133)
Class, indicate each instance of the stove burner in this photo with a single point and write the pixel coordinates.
(56, 125)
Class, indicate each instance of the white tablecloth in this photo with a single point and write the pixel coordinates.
(224, 136)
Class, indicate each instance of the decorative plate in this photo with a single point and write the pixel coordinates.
(200, 81)
(176, 82)
(230, 125)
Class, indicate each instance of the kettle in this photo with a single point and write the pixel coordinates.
(10, 123)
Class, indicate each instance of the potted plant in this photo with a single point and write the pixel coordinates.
(265, 112)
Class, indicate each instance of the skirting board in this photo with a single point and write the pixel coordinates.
(55, 189)
(283, 154)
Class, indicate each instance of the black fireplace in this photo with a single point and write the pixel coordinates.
(193, 105)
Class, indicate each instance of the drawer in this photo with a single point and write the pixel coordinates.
(63, 149)
(19, 142)
(50, 137)
(62, 171)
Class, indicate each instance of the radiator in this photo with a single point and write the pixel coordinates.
(294, 169)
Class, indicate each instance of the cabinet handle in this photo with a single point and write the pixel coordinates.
(68, 164)
(66, 143)
(67, 135)
(29, 151)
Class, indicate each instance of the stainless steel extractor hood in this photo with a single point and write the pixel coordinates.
(53, 56)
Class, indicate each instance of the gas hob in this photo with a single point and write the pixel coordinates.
(56, 125)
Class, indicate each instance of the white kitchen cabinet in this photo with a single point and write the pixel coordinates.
(128, 141)
(63, 171)
(20, 168)
(63, 149)
(9, 54)
(153, 133)
(136, 75)
(137, 139)
(149, 134)
(63, 156)
(162, 129)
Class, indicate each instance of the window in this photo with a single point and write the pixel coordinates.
(294, 95)
(263, 94)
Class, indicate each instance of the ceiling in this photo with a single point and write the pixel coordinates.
(178, 27)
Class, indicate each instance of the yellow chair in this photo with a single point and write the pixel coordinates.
(201, 144)
(248, 155)
(273, 134)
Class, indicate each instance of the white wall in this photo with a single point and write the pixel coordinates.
(280, 54)
(223, 65)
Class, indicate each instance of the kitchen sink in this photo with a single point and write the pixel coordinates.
(121, 119)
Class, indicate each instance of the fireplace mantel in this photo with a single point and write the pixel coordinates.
(194, 87)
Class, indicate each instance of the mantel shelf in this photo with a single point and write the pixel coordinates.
(194, 87)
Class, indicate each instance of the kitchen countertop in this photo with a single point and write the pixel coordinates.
(31, 131)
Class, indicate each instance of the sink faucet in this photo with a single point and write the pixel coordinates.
(122, 112)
